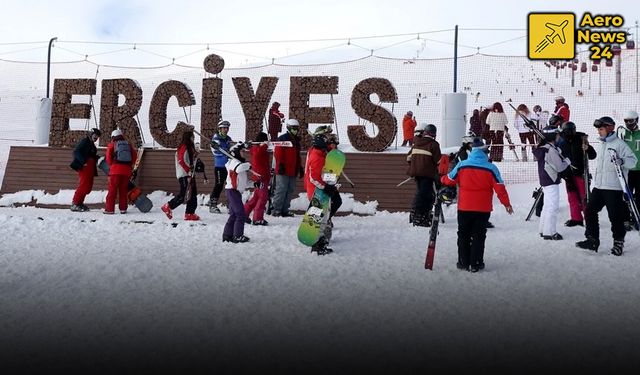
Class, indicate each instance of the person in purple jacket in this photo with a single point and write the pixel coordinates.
(551, 168)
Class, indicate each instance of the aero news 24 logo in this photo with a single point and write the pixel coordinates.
(551, 36)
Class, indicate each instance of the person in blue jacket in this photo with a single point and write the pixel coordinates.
(220, 171)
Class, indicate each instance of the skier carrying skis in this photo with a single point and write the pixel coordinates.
(606, 188)
(551, 168)
(120, 156)
(323, 142)
(222, 138)
(259, 164)
(477, 179)
(85, 156)
(573, 147)
(288, 167)
(238, 181)
(631, 135)
(423, 161)
(184, 160)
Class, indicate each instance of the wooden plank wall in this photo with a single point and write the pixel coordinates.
(45, 168)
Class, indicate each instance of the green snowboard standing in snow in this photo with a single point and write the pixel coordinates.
(315, 219)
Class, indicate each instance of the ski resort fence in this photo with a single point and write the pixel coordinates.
(420, 85)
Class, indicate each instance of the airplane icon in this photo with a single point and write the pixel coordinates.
(556, 30)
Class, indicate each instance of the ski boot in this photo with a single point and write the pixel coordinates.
(191, 217)
(590, 244)
(167, 210)
(240, 238)
(321, 247)
(617, 248)
(412, 213)
(260, 222)
(227, 238)
(573, 223)
(419, 220)
(554, 237)
(213, 206)
(76, 208)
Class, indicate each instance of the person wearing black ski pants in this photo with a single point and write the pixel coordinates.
(192, 203)
(616, 209)
(472, 232)
(424, 198)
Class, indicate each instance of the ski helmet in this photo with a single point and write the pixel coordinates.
(116, 133)
(550, 133)
(224, 124)
(537, 108)
(568, 129)
(555, 121)
(237, 148)
(605, 121)
(320, 141)
(560, 99)
(431, 130)
(292, 125)
(631, 120)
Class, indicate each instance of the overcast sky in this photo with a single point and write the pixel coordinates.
(200, 21)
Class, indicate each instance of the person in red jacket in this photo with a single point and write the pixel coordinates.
(562, 109)
(260, 165)
(275, 121)
(288, 166)
(322, 144)
(408, 127)
(477, 179)
(185, 162)
(120, 156)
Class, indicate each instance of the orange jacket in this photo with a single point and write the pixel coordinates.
(478, 179)
(408, 126)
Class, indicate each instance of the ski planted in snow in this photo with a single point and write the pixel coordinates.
(433, 234)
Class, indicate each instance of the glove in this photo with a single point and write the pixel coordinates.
(257, 184)
(330, 189)
(75, 165)
(281, 169)
(300, 172)
(619, 162)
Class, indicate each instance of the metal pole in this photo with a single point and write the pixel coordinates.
(636, 50)
(49, 63)
(619, 73)
(455, 60)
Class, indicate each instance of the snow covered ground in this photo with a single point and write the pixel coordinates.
(86, 290)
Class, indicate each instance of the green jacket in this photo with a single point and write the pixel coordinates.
(632, 138)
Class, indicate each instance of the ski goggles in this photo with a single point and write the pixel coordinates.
(630, 121)
(599, 124)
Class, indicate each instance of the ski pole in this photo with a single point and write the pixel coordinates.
(348, 180)
(404, 182)
(226, 153)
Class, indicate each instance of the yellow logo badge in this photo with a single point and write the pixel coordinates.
(551, 36)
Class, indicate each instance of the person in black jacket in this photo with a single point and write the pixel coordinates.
(574, 147)
(85, 156)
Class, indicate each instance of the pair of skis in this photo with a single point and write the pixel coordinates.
(633, 208)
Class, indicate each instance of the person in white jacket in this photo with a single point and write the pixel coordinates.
(237, 182)
(525, 134)
(497, 122)
(607, 190)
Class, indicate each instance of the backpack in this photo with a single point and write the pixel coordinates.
(122, 151)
